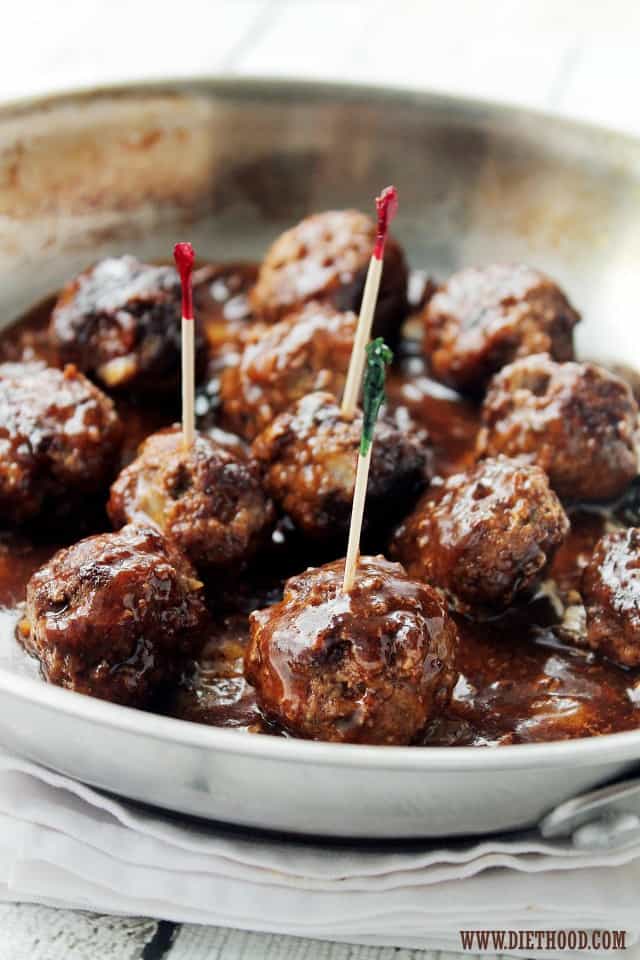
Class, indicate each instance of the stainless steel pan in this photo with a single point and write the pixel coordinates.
(229, 163)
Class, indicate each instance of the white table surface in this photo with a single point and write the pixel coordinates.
(577, 57)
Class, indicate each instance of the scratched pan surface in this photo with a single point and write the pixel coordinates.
(234, 162)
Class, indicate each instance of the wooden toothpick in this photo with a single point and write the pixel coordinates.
(386, 206)
(184, 256)
(378, 357)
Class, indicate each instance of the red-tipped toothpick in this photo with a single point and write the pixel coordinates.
(184, 256)
(386, 206)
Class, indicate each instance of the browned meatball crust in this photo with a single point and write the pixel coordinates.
(575, 420)
(119, 321)
(485, 317)
(309, 457)
(207, 499)
(326, 258)
(371, 666)
(486, 535)
(59, 440)
(611, 594)
(114, 616)
(309, 350)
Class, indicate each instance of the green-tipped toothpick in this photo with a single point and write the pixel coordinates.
(379, 356)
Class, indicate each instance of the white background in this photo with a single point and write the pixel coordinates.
(579, 57)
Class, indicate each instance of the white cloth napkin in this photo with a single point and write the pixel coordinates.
(65, 844)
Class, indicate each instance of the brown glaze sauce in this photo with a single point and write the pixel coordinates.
(520, 679)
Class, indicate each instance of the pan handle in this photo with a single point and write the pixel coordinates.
(605, 818)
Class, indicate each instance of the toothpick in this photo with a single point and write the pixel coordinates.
(378, 357)
(386, 206)
(184, 257)
(357, 514)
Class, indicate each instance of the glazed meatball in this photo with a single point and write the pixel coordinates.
(326, 258)
(59, 440)
(114, 616)
(207, 499)
(483, 318)
(119, 322)
(309, 457)
(611, 594)
(309, 350)
(371, 666)
(575, 420)
(486, 535)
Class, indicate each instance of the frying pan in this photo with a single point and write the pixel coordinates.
(230, 163)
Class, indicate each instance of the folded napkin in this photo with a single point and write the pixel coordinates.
(65, 844)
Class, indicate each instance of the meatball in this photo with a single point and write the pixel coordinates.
(486, 535)
(309, 457)
(611, 594)
(309, 350)
(371, 666)
(575, 420)
(114, 616)
(59, 439)
(119, 321)
(326, 258)
(483, 318)
(208, 499)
